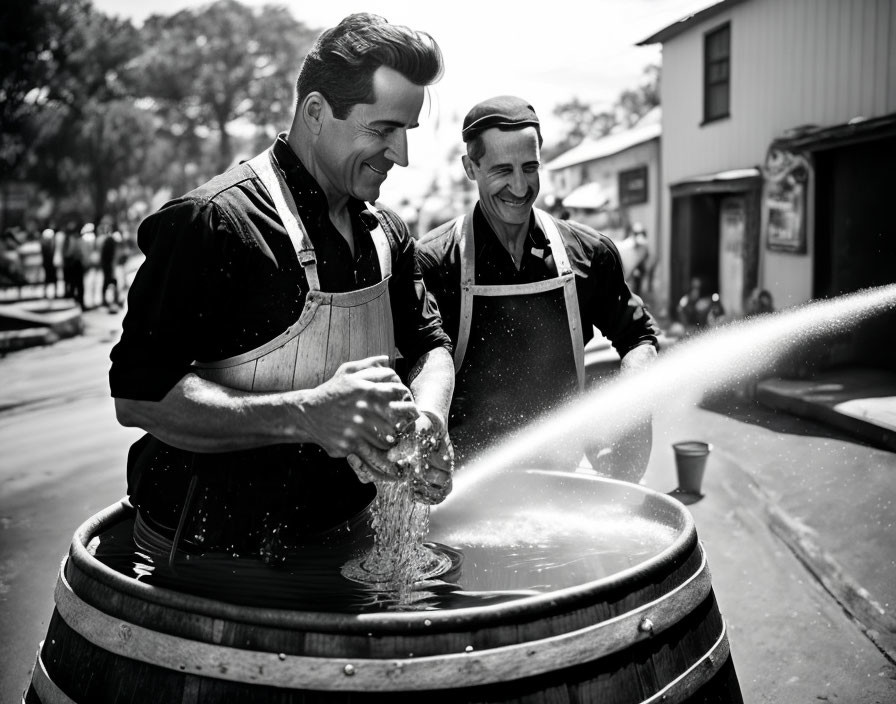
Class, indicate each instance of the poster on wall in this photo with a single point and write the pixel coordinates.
(786, 187)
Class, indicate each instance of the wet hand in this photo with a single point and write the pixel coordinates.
(362, 407)
(371, 464)
(422, 455)
(433, 481)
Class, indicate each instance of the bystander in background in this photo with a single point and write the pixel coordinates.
(108, 251)
(50, 262)
(74, 261)
(638, 242)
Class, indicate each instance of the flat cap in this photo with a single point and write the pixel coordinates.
(501, 111)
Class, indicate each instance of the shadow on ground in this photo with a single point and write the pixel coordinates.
(747, 410)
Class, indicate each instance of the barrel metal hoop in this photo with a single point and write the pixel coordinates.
(689, 681)
(473, 668)
(47, 690)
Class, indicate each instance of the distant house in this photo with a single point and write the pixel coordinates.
(612, 182)
(778, 149)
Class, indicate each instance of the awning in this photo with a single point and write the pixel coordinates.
(731, 181)
(590, 195)
(859, 129)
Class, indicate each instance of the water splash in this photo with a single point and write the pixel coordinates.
(726, 357)
(399, 560)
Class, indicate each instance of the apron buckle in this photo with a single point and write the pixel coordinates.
(306, 257)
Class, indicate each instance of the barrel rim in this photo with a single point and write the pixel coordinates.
(405, 621)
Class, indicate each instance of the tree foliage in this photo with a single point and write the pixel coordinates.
(95, 111)
(585, 120)
(37, 42)
(75, 130)
(207, 67)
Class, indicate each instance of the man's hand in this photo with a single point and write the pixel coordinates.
(360, 411)
(423, 455)
(434, 483)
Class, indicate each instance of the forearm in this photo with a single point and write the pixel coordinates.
(431, 381)
(202, 416)
(638, 358)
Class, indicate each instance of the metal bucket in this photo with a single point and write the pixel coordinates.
(649, 633)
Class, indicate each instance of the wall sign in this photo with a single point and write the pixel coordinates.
(786, 185)
(633, 186)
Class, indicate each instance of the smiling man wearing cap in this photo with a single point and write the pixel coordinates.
(520, 293)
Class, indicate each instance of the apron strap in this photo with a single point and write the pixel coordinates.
(463, 230)
(558, 250)
(575, 327)
(381, 242)
(270, 176)
(564, 270)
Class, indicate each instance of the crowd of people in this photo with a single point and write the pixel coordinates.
(79, 261)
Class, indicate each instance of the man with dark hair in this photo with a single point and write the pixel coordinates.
(261, 330)
(520, 293)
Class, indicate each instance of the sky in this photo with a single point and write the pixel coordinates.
(547, 52)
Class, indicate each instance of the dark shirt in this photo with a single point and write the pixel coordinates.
(220, 278)
(605, 301)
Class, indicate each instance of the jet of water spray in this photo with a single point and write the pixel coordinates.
(724, 357)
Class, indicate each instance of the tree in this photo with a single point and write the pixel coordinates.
(634, 104)
(83, 125)
(36, 39)
(207, 67)
(113, 142)
(579, 116)
(585, 120)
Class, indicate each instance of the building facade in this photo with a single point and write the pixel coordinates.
(613, 182)
(779, 136)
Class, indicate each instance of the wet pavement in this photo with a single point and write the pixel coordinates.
(797, 521)
(796, 517)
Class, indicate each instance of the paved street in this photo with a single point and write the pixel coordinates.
(790, 639)
(63, 454)
(776, 487)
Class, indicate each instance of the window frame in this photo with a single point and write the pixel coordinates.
(709, 84)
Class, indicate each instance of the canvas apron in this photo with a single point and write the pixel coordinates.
(333, 328)
(519, 352)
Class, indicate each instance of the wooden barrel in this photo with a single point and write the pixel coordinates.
(652, 633)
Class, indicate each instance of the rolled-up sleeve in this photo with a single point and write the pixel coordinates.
(160, 329)
(418, 324)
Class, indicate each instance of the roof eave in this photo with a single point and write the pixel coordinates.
(559, 163)
(685, 23)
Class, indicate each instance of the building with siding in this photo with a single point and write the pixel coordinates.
(779, 140)
(613, 181)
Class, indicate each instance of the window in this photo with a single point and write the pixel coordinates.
(716, 73)
(633, 186)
